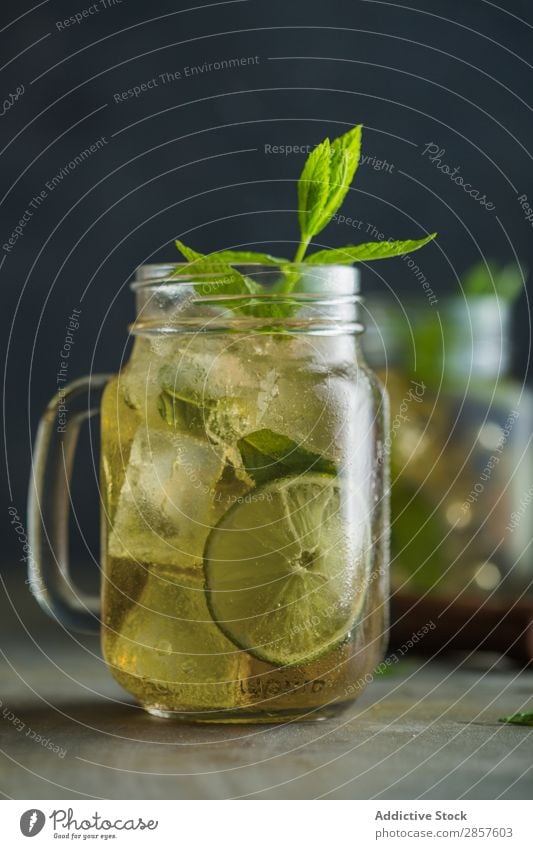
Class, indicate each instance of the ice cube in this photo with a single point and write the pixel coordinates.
(210, 368)
(170, 499)
(319, 403)
(169, 639)
(141, 385)
(229, 386)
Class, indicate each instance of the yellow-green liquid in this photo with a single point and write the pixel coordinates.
(159, 639)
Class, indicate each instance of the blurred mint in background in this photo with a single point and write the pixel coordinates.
(490, 278)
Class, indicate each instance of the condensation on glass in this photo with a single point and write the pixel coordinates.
(244, 500)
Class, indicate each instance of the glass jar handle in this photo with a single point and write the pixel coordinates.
(49, 504)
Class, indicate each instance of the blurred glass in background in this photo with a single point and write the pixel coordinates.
(461, 461)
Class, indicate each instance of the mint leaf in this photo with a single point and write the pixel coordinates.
(166, 408)
(179, 413)
(313, 189)
(248, 257)
(324, 182)
(492, 279)
(220, 259)
(366, 251)
(168, 376)
(345, 155)
(267, 455)
(386, 668)
(322, 187)
(226, 280)
(518, 719)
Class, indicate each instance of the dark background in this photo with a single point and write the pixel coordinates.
(187, 159)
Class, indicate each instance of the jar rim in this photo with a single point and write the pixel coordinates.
(154, 274)
(326, 298)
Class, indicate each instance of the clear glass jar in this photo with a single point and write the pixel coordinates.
(244, 500)
(460, 443)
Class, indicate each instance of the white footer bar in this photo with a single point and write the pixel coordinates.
(267, 824)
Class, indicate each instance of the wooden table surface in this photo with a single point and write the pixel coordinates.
(428, 732)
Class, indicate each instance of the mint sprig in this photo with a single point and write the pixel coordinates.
(232, 257)
(489, 278)
(324, 183)
(267, 455)
(322, 187)
(367, 251)
(180, 413)
(518, 719)
(223, 278)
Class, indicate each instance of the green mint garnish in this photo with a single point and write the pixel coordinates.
(267, 455)
(518, 719)
(234, 257)
(489, 278)
(324, 183)
(322, 187)
(367, 251)
(168, 410)
(223, 278)
(178, 413)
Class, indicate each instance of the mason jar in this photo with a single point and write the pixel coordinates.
(243, 498)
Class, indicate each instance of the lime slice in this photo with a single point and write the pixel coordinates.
(286, 569)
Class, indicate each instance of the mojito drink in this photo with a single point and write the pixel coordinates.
(244, 478)
(244, 563)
